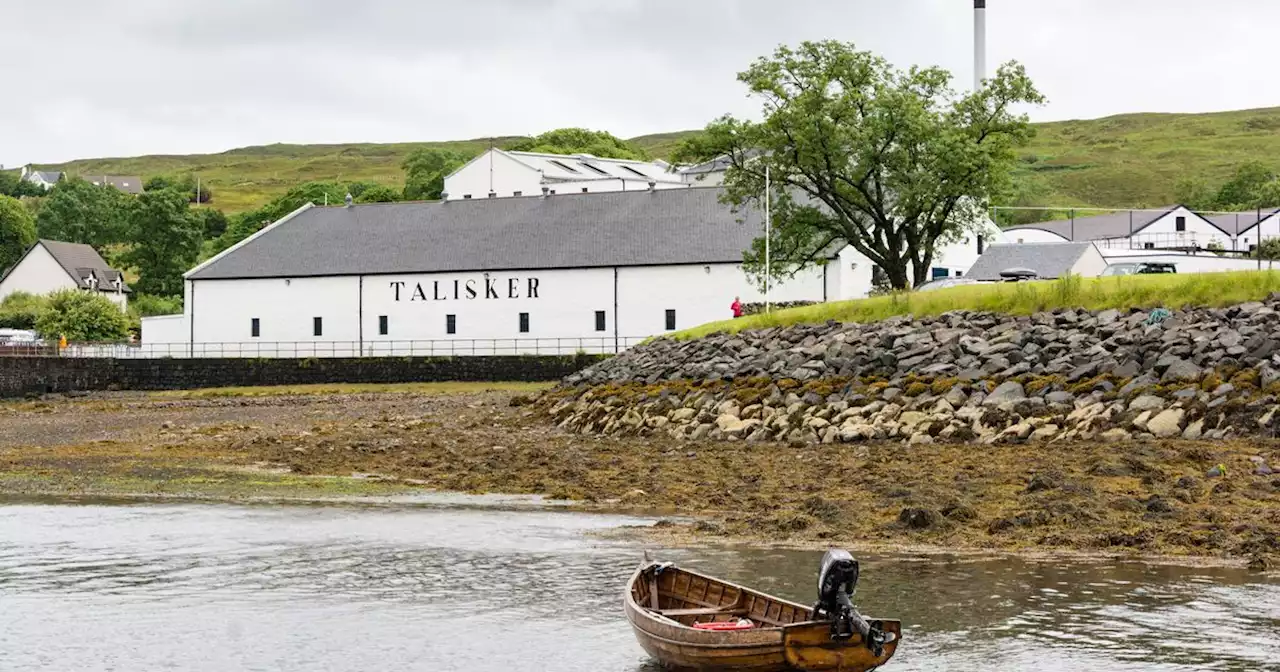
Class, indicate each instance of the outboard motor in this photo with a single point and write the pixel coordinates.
(837, 581)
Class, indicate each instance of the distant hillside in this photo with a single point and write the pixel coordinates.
(1131, 160)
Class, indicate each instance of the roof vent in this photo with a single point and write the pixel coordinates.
(653, 186)
(444, 195)
(545, 191)
(350, 201)
(493, 194)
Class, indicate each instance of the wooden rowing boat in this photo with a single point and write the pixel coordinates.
(663, 603)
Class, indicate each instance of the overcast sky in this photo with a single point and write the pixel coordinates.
(123, 78)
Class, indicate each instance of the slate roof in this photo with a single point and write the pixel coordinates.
(625, 228)
(1100, 227)
(130, 184)
(48, 176)
(80, 261)
(1240, 222)
(1048, 260)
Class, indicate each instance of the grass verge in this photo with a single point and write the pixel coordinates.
(1025, 298)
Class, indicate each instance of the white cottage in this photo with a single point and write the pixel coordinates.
(50, 265)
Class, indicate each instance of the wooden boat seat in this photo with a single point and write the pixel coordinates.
(705, 611)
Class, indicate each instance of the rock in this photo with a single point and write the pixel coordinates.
(1217, 471)
(1061, 397)
(1263, 470)
(1181, 370)
(1158, 504)
(1140, 422)
(701, 431)
(682, 415)
(1147, 402)
(1167, 424)
(919, 439)
(1223, 390)
(1115, 435)
(1006, 392)
(1194, 430)
(918, 519)
(909, 419)
(1019, 431)
(727, 420)
(1044, 433)
(956, 397)
(167, 424)
(1044, 481)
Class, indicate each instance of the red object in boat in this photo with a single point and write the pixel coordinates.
(725, 626)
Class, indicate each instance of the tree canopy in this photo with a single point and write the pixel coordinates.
(1252, 186)
(76, 211)
(891, 162)
(17, 231)
(579, 141)
(12, 184)
(164, 241)
(20, 310)
(197, 191)
(425, 170)
(81, 316)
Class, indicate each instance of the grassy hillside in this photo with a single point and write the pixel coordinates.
(1131, 160)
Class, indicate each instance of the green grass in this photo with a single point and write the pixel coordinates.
(1025, 298)
(354, 388)
(1131, 160)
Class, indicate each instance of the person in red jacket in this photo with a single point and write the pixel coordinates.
(736, 307)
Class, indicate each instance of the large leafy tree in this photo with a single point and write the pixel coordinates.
(20, 310)
(17, 231)
(425, 170)
(892, 162)
(76, 211)
(164, 241)
(579, 141)
(12, 184)
(81, 316)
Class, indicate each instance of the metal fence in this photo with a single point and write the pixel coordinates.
(465, 347)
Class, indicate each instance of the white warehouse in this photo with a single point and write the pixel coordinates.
(594, 272)
(499, 173)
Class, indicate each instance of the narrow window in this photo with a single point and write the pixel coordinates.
(563, 166)
(450, 324)
(594, 169)
(317, 326)
(517, 193)
(940, 272)
(671, 320)
(959, 274)
(584, 190)
(1180, 224)
(553, 192)
(524, 323)
(1148, 246)
(466, 195)
(980, 242)
(254, 329)
(382, 325)
(599, 320)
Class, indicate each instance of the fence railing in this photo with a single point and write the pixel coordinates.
(464, 347)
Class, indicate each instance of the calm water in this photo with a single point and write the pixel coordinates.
(203, 587)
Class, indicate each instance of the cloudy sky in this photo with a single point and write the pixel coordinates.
(122, 78)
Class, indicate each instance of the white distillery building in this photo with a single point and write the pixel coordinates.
(51, 265)
(499, 173)
(553, 274)
(1173, 228)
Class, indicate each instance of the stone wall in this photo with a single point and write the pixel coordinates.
(38, 375)
(961, 376)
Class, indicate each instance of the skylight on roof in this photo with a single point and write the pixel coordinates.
(597, 170)
(633, 170)
(563, 165)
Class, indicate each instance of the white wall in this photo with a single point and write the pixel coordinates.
(509, 176)
(37, 273)
(223, 309)
(1163, 232)
(1033, 236)
(1091, 264)
(1186, 263)
(164, 329)
(602, 185)
(1267, 229)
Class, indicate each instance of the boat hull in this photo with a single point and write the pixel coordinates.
(787, 641)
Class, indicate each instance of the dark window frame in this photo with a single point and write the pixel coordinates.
(602, 320)
(1180, 224)
(255, 328)
(451, 324)
(317, 326)
(524, 323)
(671, 319)
(384, 325)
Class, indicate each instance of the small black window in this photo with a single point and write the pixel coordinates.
(450, 324)
(1180, 224)
(517, 193)
(553, 192)
(466, 195)
(254, 328)
(600, 320)
(524, 323)
(317, 326)
(1148, 246)
(382, 325)
(584, 190)
(980, 243)
(594, 169)
(633, 171)
(671, 320)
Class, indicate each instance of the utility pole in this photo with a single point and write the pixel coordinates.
(768, 233)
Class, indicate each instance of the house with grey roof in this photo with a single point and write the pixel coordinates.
(43, 178)
(1048, 260)
(50, 265)
(129, 184)
(553, 273)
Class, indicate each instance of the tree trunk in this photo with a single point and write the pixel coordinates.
(896, 269)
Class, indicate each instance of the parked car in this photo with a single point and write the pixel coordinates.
(944, 283)
(1139, 268)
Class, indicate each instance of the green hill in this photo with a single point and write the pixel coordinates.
(1132, 160)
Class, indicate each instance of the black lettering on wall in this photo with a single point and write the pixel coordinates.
(471, 289)
(533, 288)
(435, 291)
(455, 289)
(490, 291)
(396, 286)
(513, 288)
(418, 295)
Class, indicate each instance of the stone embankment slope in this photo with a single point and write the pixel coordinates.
(958, 377)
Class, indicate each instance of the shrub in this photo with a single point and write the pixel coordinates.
(20, 310)
(81, 316)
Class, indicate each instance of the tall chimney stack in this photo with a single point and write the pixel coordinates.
(979, 43)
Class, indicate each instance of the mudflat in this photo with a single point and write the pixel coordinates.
(1142, 498)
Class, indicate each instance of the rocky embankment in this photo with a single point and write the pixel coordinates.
(958, 377)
